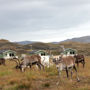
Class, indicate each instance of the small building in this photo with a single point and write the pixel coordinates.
(69, 52)
(7, 54)
(39, 52)
(44, 56)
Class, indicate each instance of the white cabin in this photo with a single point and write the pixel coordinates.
(44, 56)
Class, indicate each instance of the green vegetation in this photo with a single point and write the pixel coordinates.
(34, 79)
(82, 48)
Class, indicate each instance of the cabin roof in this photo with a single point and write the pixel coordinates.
(33, 52)
(70, 49)
(2, 51)
(37, 52)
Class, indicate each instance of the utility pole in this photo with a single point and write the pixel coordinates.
(31, 47)
(62, 47)
(50, 51)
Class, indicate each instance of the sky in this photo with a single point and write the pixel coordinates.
(44, 20)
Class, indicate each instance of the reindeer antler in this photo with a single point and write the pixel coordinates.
(17, 61)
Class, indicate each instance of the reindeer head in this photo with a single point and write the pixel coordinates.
(57, 61)
(18, 63)
(54, 60)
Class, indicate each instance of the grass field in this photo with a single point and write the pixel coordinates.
(34, 79)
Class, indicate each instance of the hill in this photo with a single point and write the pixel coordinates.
(7, 45)
(83, 48)
(25, 42)
(3, 40)
(85, 39)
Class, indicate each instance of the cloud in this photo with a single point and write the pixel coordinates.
(50, 35)
(43, 19)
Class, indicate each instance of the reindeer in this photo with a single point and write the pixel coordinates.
(2, 61)
(66, 63)
(80, 59)
(28, 61)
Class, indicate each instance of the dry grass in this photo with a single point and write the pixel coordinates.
(12, 79)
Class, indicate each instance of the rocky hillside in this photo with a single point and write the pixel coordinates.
(25, 42)
(83, 48)
(85, 39)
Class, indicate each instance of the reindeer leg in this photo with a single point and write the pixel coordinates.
(30, 66)
(67, 72)
(42, 66)
(76, 73)
(23, 68)
(39, 66)
(78, 64)
(83, 62)
(59, 74)
(59, 71)
(71, 73)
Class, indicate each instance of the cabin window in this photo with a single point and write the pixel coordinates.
(11, 54)
(71, 53)
(42, 54)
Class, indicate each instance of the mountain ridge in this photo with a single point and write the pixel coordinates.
(82, 48)
(84, 39)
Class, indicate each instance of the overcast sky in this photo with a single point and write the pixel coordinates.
(44, 20)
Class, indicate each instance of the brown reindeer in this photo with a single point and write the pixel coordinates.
(80, 59)
(2, 61)
(28, 61)
(66, 63)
